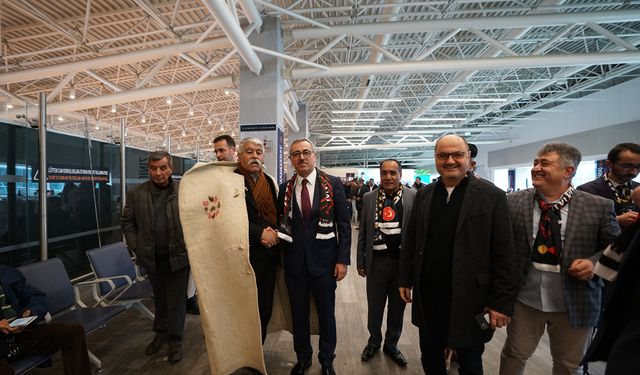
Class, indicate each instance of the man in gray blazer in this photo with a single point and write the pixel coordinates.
(385, 215)
(559, 234)
(458, 262)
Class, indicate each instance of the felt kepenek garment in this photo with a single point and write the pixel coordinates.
(212, 213)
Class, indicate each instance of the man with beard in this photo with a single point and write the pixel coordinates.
(225, 148)
(623, 162)
(261, 198)
(459, 261)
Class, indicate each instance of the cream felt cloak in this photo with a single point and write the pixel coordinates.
(216, 232)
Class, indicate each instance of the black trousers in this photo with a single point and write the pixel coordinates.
(324, 293)
(48, 339)
(169, 298)
(382, 286)
(265, 271)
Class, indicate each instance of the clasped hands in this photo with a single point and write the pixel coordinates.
(269, 237)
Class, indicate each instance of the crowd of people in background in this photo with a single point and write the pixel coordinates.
(469, 258)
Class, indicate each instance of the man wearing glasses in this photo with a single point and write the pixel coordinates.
(459, 261)
(313, 208)
(623, 162)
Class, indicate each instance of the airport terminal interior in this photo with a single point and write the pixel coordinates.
(89, 87)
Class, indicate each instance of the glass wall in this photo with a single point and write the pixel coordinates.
(83, 195)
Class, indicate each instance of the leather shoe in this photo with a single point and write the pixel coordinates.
(369, 352)
(154, 346)
(396, 356)
(174, 353)
(328, 370)
(299, 368)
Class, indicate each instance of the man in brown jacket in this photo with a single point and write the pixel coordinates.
(151, 225)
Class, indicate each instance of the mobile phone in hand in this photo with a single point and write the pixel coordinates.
(482, 320)
(22, 322)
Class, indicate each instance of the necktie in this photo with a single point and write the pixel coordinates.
(306, 202)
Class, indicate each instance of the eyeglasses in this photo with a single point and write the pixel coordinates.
(628, 166)
(457, 155)
(297, 154)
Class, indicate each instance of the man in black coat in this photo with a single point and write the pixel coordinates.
(623, 162)
(314, 210)
(459, 261)
(151, 225)
(261, 199)
(19, 299)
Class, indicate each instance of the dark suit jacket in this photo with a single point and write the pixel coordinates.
(591, 226)
(600, 188)
(256, 223)
(321, 255)
(483, 260)
(365, 235)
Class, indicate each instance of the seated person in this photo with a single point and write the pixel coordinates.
(18, 299)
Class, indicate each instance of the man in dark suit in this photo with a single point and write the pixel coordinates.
(383, 233)
(260, 197)
(559, 234)
(314, 210)
(623, 162)
(459, 261)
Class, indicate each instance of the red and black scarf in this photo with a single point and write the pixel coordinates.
(326, 223)
(387, 219)
(547, 247)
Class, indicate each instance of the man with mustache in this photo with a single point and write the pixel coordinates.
(559, 234)
(623, 162)
(314, 210)
(260, 197)
(151, 225)
(458, 260)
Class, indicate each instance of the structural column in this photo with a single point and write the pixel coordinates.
(261, 104)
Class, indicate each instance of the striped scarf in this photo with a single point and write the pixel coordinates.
(326, 223)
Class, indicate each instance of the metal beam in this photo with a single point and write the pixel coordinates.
(466, 64)
(113, 60)
(431, 25)
(232, 30)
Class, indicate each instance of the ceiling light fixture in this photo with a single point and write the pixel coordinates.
(72, 93)
(429, 126)
(190, 111)
(367, 100)
(143, 119)
(356, 119)
(488, 100)
(364, 111)
(168, 100)
(353, 133)
(209, 121)
(113, 108)
(97, 126)
(227, 92)
(356, 126)
(60, 118)
(9, 105)
(440, 119)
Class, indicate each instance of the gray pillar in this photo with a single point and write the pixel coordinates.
(261, 105)
(42, 177)
(123, 165)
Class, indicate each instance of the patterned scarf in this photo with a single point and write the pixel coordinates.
(547, 247)
(387, 219)
(622, 196)
(261, 191)
(326, 224)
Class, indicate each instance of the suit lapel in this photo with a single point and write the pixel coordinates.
(469, 197)
(427, 208)
(527, 208)
(576, 211)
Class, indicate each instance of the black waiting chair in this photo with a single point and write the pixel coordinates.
(65, 304)
(119, 280)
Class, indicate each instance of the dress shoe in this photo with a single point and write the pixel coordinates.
(369, 352)
(154, 346)
(396, 356)
(328, 370)
(300, 367)
(174, 354)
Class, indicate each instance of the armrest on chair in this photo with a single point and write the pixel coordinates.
(101, 300)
